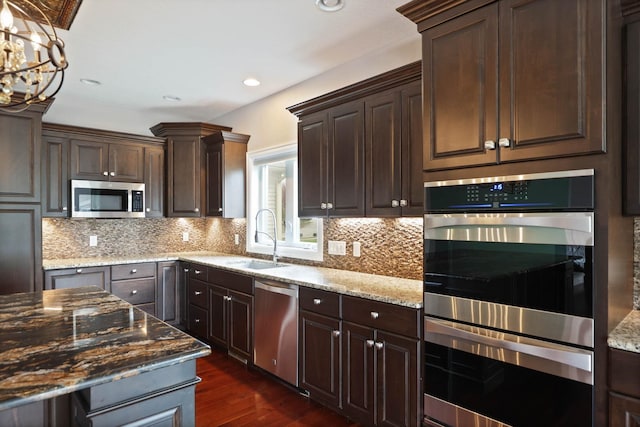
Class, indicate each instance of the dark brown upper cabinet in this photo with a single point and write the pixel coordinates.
(631, 108)
(154, 177)
(93, 159)
(357, 148)
(225, 170)
(394, 184)
(511, 81)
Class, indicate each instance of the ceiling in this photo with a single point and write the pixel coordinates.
(202, 50)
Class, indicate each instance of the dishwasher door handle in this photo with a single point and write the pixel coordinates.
(279, 288)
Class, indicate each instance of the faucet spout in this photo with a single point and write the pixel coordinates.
(274, 238)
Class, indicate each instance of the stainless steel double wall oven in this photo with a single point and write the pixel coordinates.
(508, 301)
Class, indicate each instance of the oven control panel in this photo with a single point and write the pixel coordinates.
(518, 193)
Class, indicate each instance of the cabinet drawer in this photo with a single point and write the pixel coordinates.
(198, 293)
(321, 302)
(198, 321)
(380, 315)
(622, 362)
(137, 291)
(133, 271)
(199, 272)
(227, 279)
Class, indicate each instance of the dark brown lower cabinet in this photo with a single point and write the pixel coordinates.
(169, 296)
(320, 353)
(624, 386)
(380, 373)
(230, 320)
(76, 277)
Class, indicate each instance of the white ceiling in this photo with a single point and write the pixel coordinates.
(202, 50)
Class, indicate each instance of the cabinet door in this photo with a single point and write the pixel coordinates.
(624, 411)
(631, 117)
(154, 182)
(320, 357)
(312, 165)
(346, 160)
(89, 160)
(412, 180)
(218, 315)
(184, 186)
(77, 277)
(551, 78)
(241, 324)
(126, 162)
(358, 387)
(169, 300)
(397, 380)
(55, 176)
(20, 248)
(20, 157)
(460, 76)
(383, 153)
(214, 173)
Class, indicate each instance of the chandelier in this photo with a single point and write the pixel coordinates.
(32, 58)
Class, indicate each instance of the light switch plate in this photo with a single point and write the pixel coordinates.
(337, 247)
(93, 240)
(356, 248)
(185, 236)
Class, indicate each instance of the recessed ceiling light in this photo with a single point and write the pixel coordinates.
(330, 5)
(171, 98)
(251, 82)
(90, 82)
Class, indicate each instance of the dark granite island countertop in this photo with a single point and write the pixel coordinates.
(60, 341)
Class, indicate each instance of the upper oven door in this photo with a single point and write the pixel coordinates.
(539, 261)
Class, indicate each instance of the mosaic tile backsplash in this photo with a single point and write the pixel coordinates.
(390, 247)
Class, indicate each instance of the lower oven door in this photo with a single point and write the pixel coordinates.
(477, 376)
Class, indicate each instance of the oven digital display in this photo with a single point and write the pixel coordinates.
(497, 187)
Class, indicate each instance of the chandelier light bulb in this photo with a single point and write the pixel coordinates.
(36, 41)
(6, 18)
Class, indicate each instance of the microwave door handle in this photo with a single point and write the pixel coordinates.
(508, 342)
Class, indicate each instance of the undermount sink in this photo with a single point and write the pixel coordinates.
(256, 265)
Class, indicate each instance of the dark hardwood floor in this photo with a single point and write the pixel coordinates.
(232, 394)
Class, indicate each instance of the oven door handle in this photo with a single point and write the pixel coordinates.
(556, 353)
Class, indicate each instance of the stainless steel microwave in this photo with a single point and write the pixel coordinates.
(107, 199)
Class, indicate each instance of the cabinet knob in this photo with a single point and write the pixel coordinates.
(133, 292)
(197, 271)
(196, 293)
(375, 314)
(329, 205)
(197, 320)
(219, 209)
(379, 346)
(196, 210)
(186, 270)
(504, 142)
(112, 174)
(134, 271)
(490, 145)
(323, 206)
(64, 208)
(335, 333)
(403, 202)
(370, 343)
(78, 270)
(317, 301)
(395, 203)
(105, 173)
(148, 209)
(227, 298)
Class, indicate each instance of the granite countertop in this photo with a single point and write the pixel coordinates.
(405, 292)
(626, 336)
(59, 341)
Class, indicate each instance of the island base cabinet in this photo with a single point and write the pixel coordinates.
(163, 397)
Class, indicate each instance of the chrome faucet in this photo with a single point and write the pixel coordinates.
(275, 232)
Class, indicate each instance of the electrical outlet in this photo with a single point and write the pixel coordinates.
(236, 238)
(337, 247)
(185, 236)
(93, 240)
(356, 248)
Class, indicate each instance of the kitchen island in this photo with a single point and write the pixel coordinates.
(85, 352)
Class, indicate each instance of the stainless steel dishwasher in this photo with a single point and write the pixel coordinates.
(275, 342)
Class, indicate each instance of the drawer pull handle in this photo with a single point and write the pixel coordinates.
(197, 320)
(317, 301)
(196, 210)
(379, 346)
(196, 293)
(336, 333)
(134, 271)
(198, 271)
(133, 292)
(79, 270)
(375, 314)
(370, 343)
(64, 208)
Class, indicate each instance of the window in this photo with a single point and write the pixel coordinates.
(273, 185)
